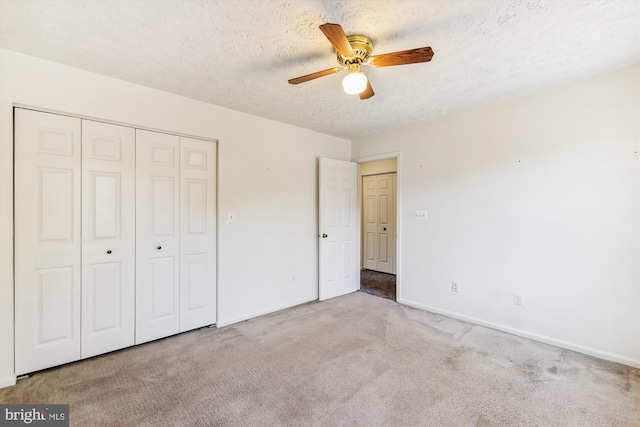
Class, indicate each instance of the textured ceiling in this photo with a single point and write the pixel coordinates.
(240, 53)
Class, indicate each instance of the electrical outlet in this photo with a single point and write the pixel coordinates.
(421, 215)
(455, 286)
(518, 298)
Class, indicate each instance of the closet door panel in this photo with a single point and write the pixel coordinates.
(108, 237)
(386, 223)
(197, 233)
(47, 240)
(157, 235)
(378, 227)
(370, 221)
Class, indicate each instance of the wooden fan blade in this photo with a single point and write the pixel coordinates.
(411, 56)
(312, 76)
(368, 92)
(338, 38)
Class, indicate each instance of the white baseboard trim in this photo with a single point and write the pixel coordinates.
(7, 382)
(525, 334)
(227, 322)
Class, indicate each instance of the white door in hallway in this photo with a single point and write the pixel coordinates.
(339, 243)
(47, 240)
(197, 233)
(379, 212)
(157, 235)
(108, 237)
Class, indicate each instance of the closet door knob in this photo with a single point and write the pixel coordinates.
(109, 252)
(159, 247)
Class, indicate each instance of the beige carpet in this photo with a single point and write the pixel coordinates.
(355, 360)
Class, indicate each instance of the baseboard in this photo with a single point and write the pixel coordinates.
(525, 334)
(7, 382)
(223, 322)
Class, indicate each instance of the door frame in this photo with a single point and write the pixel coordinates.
(366, 159)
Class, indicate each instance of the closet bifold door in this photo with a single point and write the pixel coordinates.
(108, 237)
(157, 235)
(47, 240)
(197, 233)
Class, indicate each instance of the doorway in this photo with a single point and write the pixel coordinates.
(379, 228)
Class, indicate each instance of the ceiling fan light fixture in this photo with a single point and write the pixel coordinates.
(355, 82)
(355, 50)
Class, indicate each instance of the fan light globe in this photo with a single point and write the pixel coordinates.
(354, 83)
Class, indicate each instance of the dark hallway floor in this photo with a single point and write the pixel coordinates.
(378, 284)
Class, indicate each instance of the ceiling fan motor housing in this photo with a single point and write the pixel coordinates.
(362, 47)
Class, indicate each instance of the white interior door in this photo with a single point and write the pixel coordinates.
(197, 233)
(47, 240)
(379, 222)
(339, 244)
(157, 235)
(108, 237)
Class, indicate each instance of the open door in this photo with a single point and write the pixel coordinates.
(339, 242)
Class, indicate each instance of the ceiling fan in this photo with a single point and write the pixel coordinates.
(353, 52)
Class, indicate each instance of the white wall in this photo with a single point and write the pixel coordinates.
(537, 195)
(266, 175)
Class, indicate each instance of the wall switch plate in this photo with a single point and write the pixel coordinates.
(518, 298)
(231, 217)
(421, 215)
(455, 286)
